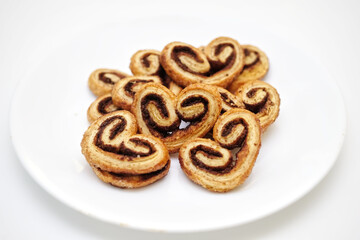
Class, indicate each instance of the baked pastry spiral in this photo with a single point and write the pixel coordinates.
(211, 165)
(159, 112)
(255, 68)
(101, 106)
(124, 91)
(147, 63)
(102, 80)
(114, 150)
(262, 99)
(221, 61)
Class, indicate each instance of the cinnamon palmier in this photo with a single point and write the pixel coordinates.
(159, 112)
(101, 106)
(255, 68)
(262, 99)
(147, 63)
(211, 165)
(124, 91)
(221, 61)
(112, 145)
(101, 81)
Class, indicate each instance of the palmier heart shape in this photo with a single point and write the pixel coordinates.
(159, 112)
(120, 156)
(219, 63)
(262, 99)
(211, 164)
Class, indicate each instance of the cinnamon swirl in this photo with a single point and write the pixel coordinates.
(117, 154)
(159, 112)
(211, 165)
(221, 61)
(101, 81)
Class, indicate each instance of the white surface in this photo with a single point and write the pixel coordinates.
(296, 153)
(328, 30)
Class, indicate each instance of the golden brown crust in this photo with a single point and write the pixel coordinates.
(221, 61)
(229, 100)
(202, 48)
(255, 68)
(174, 88)
(146, 63)
(131, 181)
(101, 106)
(262, 99)
(211, 165)
(102, 80)
(111, 144)
(158, 112)
(124, 91)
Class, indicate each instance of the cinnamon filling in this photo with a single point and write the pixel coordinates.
(103, 104)
(117, 129)
(192, 101)
(228, 129)
(258, 106)
(160, 104)
(145, 60)
(108, 80)
(133, 152)
(159, 72)
(185, 51)
(211, 153)
(217, 66)
(122, 149)
(251, 58)
(158, 101)
(227, 100)
(130, 85)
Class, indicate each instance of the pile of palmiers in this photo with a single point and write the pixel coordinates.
(208, 104)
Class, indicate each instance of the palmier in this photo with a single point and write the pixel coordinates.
(211, 165)
(159, 112)
(262, 99)
(218, 64)
(114, 150)
(101, 81)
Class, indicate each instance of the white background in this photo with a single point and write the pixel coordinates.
(328, 30)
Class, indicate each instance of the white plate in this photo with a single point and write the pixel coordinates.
(48, 119)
